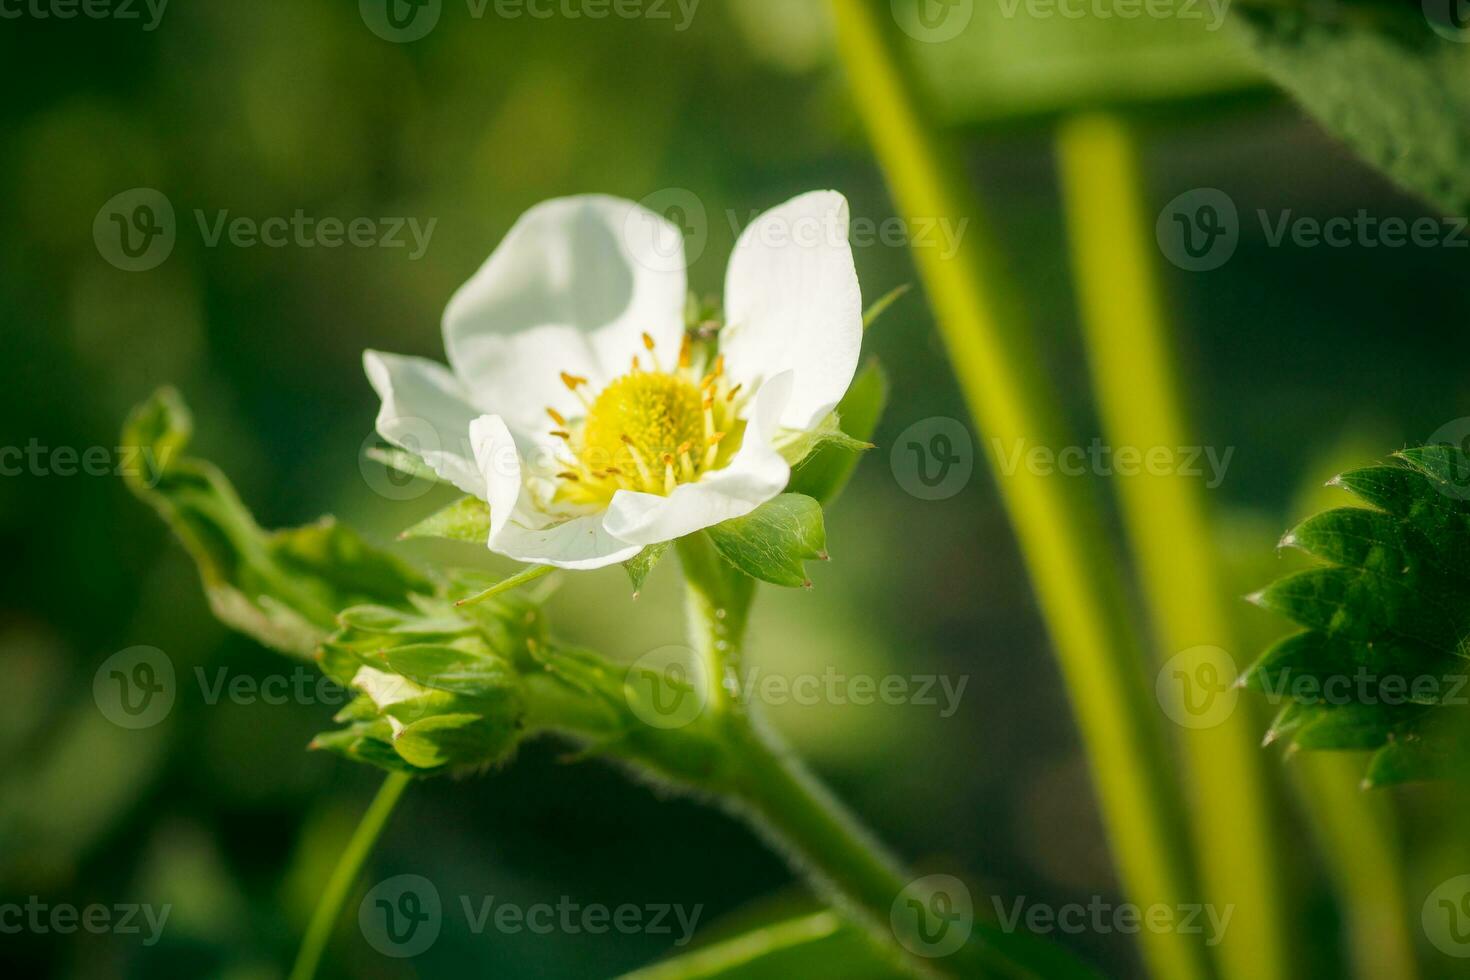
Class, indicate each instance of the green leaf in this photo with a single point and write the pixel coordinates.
(1383, 662)
(467, 519)
(284, 588)
(1377, 76)
(773, 542)
(642, 563)
(826, 471)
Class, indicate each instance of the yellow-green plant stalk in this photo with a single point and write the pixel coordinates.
(1359, 835)
(1057, 519)
(1169, 533)
(344, 876)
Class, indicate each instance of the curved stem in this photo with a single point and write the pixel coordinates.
(329, 907)
(790, 808)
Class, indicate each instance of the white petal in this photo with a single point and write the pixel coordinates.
(572, 288)
(755, 474)
(426, 412)
(792, 303)
(517, 530)
(500, 465)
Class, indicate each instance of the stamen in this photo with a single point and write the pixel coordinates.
(713, 450)
(685, 350)
(562, 434)
(643, 473)
(557, 417)
(636, 366)
(709, 415)
(670, 481)
(569, 475)
(648, 343)
(686, 463)
(572, 381)
(734, 391)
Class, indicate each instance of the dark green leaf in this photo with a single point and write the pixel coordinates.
(1377, 76)
(1383, 662)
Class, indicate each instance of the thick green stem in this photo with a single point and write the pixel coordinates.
(770, 788)
(1057, 519)
(344, 876)
(1166, 520)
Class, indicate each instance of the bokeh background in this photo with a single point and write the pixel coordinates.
(1299, 359)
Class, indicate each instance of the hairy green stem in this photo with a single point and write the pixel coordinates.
(1168, 528)
(771, 789)
(329, 906)
(1057, 519)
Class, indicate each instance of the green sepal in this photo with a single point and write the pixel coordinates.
(824, 473)
(639, 566)
(404, 462)
(881, 305)
(773, 542)
(467, 519)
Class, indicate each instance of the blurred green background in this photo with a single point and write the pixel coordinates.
(1297, 358)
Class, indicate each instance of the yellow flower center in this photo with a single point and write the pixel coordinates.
(648, 431)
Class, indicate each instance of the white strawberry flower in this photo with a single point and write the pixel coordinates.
(580, 409)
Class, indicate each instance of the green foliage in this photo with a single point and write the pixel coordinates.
(284, 588)
(773, 542)
(1379, 77)
(1382, 663)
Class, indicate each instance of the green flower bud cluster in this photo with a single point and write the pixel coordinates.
(439, 687)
